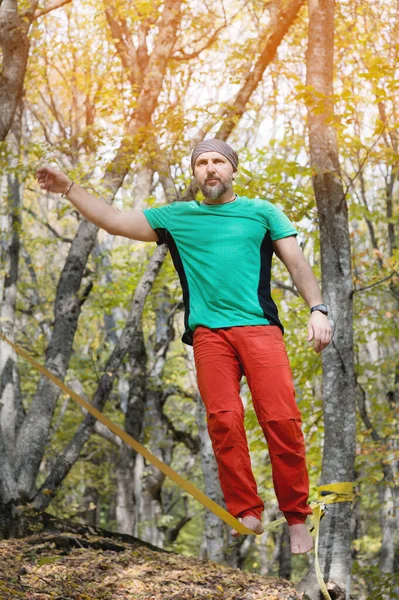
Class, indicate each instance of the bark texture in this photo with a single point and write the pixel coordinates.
(14, 44)
(338, 358)
(127, 499)
(11, 410)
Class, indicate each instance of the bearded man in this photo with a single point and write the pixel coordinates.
(222, 249)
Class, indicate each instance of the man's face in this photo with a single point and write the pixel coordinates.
(214, 174)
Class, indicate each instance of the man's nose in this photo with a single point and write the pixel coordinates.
(210, 167)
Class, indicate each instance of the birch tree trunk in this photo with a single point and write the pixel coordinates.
(216, 532)
(338, 358)
(126, 499)
(11, 411)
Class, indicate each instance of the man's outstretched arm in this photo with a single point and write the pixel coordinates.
(131, 224)
(289, 252)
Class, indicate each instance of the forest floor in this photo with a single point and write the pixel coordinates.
(65, 566)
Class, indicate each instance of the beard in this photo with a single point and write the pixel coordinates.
(214, 192)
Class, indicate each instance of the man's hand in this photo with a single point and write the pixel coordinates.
(53, 180)
(319, 330)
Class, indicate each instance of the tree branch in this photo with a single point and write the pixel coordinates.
(123, 45)
(47, 225)
(185, 56)
(368, 287)
(284, 286)
(50, 7)
(283, 21)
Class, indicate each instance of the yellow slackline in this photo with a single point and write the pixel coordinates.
(334, 492)
(318, 512)
(327, 494)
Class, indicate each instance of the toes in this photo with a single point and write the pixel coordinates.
(301, 549)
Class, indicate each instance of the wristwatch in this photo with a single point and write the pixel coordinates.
(321, 308)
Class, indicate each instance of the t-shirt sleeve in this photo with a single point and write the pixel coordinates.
(159, 219)
(278, 223)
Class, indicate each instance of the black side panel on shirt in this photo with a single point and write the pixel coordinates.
(265, 299)
(162, 234)
(165, 237)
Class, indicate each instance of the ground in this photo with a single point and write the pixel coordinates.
(65, 566)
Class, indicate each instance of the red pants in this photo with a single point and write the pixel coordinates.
(222, 357)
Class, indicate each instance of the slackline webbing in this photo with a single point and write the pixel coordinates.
(328, 494)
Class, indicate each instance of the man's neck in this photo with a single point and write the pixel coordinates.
(229, 196)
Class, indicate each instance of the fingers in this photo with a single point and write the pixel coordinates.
(52, 179)
(44, 178)
(41, 170)
(322, 343)
(321, 340)
(45, 183)
(321, 332)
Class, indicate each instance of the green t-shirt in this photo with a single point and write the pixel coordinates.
(223, 254)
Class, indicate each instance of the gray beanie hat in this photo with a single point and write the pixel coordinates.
(215, 145)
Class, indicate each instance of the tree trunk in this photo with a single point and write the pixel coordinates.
(284, 554)
(14, 45)
(150, 506)
(216, 533)
(15, 22)
(338, 359)
(11, 409)
(134, 416)
(388, 528)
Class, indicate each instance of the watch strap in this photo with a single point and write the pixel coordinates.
(321, 308)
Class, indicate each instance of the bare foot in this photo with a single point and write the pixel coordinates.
(301, 540)
(252, 523)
